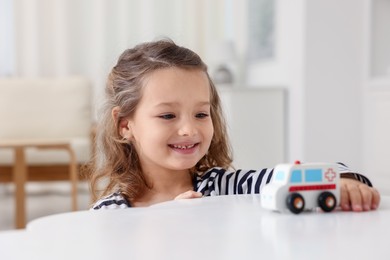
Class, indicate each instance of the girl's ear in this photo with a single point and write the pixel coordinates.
(124, 128)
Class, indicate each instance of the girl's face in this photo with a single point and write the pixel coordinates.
(172, 127)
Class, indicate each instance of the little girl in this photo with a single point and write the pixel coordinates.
(162, 136)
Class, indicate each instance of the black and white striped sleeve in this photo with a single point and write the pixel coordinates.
(345, 172)
(218, 181)
(113, 201)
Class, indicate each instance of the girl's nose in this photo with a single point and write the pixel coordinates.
(187, 128)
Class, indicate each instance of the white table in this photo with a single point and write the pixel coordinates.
(225, 227)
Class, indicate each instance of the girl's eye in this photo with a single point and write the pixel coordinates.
(202, 115)
(167, 116)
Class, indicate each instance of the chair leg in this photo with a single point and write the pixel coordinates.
(73, 177)
(20, 177)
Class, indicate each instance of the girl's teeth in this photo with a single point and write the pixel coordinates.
(183, 146)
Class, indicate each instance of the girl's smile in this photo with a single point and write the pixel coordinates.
(184, 148)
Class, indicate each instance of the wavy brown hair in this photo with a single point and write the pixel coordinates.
(115, 165)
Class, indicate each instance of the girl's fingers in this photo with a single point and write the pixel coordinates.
(355, 196)
(189, 195)
(376, 197)
(344, 198)
(366, 194)
(358, 196)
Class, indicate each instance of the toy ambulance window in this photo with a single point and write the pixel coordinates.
(313, 175)
(280, 176)
(296, 176)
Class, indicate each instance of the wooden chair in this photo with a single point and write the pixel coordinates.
(38, 119)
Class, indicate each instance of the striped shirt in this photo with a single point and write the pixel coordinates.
(218, 181)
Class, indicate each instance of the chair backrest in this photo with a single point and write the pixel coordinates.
(45, 108)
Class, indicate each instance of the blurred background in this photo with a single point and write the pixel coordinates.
(331, 58)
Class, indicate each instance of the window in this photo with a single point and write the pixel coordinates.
(7, 39)
(280, 176)
(313, 175)
(261, 44)
(296, 176)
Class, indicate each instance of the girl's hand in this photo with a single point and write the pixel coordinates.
(357, 196)
(189, 195)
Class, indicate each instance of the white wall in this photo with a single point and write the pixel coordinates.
(339, 74)
(376, 137)
(256, 125)
(287, 70)
(320, 61)
(376, 94)
(334, 81)
(337, 111)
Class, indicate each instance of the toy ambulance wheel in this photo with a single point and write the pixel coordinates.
(295, 203)
(327, 201)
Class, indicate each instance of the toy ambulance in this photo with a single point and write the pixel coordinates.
(297, 187)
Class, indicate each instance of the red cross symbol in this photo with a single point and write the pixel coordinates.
(330, 175)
